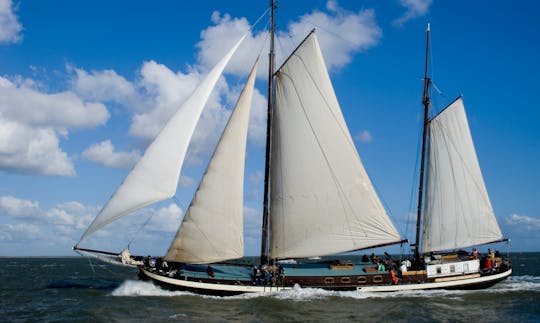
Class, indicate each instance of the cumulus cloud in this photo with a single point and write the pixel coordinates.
(166, 219)
(106, 86)
(71, 214)
(16, 207)
(341, 33)
(222, 36)
(33, 122)
(32, 150)
(64, 223)
(525, 222)
(364, 137)
(10, 27)
(167, 90)
(187, 182)
(104, 153)
(19, 232)
(415, 8)
(21, 102)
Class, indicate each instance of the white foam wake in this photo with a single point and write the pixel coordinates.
(142, 288)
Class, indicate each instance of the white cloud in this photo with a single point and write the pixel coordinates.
(341, 33)
(32, 150)
(19, 232)
(525, 222)
(415, 8)
(16, 207)
(22, 103)
(167, 91)
(166, 219)
(10, 27)
(364, 137)
(106, 85)
(257, 119)
(70, 214)
(187, 182)
(104, 153)
(32, 123)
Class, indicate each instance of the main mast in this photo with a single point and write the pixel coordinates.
(271, 63)
(426, 103)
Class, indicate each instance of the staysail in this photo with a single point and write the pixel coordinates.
(212, 229)
(155, 177)
(322, 200)
(458, 212)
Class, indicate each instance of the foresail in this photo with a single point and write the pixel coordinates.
(155, 177)
(212, 229)
(322, 200)
(458, 212)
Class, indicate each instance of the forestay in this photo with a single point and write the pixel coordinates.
(458, 212)
(322, 200)
(212, 229)
(155, 177)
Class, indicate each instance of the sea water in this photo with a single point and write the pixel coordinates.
(79, 289)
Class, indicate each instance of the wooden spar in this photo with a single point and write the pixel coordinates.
(271, 58)
(425, 102)
(97, 251)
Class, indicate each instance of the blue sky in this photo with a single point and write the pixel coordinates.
(84, 86)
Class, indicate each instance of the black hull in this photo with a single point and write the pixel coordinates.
(221, 288)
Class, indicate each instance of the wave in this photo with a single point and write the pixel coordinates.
(82, 284)
(143, 288)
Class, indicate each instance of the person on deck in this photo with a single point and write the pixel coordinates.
(210, 271)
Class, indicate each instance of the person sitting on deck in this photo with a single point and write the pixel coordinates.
(365, 258)
(210, 271)
(403, 268)
(381, 266)
(475, 254)
(488, 265)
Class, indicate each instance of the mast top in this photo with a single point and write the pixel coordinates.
(428, 27)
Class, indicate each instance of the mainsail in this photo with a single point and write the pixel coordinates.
(155, 177)
(458, 212)
(212, 229)
(322, 200)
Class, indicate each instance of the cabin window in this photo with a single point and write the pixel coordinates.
(452, 268)
(329, 280)
(361, 280)
(377, 279)
(345, 280)
(439, 270)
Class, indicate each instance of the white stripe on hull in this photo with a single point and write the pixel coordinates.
(436, 285)
(212, 287)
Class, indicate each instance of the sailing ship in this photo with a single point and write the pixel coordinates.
(318, 198)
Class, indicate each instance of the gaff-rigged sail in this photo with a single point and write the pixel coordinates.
(155, 177)
(458, 212)
(322, 200)
(212, 229)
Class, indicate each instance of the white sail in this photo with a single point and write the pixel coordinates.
(322, 200)
(155, 177)
(458, 212)
(212, 229)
